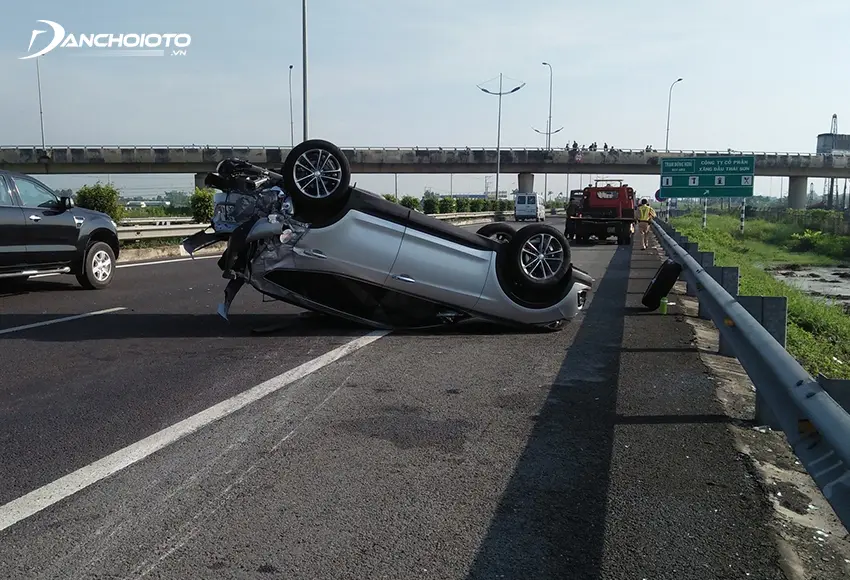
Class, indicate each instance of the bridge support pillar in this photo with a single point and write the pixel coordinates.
(526, 183)
(199, 180)
(797, 192)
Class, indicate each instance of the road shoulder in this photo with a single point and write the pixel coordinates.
(812, 541)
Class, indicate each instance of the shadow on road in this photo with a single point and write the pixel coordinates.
(128, 325)
(680, 419)
(550, 522)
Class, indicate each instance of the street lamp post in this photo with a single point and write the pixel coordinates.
(40, 107)
(499, 94)
(291, 115)
(548, 133)
(667, 137)
(304, 61)
(669, 102)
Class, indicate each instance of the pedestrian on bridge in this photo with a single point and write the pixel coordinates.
(645, 215)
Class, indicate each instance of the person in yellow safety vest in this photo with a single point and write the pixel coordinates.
(645, 215)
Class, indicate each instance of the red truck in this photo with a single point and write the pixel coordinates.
(606, 209)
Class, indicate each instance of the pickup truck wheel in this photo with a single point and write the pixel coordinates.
(98, 267)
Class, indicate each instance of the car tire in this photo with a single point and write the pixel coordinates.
(533, 272)
(98, 267)
(501, 232)
(317, 197)
(661, 284)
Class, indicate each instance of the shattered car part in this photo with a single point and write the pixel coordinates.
(306, 237)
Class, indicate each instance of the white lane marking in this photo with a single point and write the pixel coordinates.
(134, 264)
(58, 320)
(43, 497)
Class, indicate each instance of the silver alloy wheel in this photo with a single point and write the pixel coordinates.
(541, 256)
(101, 266)
(317, 173)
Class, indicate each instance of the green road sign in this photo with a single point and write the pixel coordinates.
(731, 176)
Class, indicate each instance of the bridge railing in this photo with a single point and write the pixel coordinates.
(193, 147)
(813, 413)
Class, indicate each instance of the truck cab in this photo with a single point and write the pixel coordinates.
(607, 209)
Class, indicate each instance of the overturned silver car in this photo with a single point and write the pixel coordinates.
(305, 236)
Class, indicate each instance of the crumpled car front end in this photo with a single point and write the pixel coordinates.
(260, 231)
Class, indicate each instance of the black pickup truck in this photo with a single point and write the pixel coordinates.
(42, 233)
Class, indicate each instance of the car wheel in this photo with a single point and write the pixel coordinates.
(538, 256)
(501, 232)
(317, 175)
(98, 267)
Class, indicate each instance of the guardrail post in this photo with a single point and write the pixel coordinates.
(838, 389)
(772, 313)
(706, 260)
(726, 276)
(692, 249)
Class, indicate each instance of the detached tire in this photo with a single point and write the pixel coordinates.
(317, 175)
(501, 232)
(660, 286)
(538, 256)
(98, 267)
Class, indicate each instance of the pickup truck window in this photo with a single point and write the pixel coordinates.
(5, 195)
(33, 195)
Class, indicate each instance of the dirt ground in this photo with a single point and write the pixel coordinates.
(811, 539)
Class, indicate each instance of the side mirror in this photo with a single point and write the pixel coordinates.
(66, 203)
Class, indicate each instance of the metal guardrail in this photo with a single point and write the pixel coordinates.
(157, 221)
(816, 425)
(150, 229)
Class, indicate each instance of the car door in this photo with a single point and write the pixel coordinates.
(13, 248)
(440, 270)
(362, 245)
(51, 233)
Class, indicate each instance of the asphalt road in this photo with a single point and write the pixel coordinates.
(596, 452)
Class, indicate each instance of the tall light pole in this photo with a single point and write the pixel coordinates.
(548, 132)
(291, 115)
(499, 94)
(304, 60)
(667, 138)
(40, 107)
(669, 102)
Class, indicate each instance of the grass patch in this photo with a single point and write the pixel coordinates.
(818, 332)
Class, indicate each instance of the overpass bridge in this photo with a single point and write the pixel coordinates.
(798, 167)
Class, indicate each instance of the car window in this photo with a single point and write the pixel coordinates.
(34, 195)
(520, 199)
(5, 195)
(531, 199)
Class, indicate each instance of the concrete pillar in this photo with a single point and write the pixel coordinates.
(199, 180)
(797, 192)
(526, 182)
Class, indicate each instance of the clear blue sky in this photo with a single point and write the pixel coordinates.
(758, 75)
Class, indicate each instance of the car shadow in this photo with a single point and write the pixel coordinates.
(10, 288)
(129, 325)
(550, 520)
